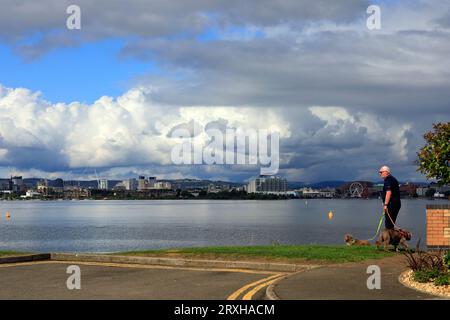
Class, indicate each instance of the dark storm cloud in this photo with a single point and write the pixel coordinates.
(46, 159)
(157, 18)
(405, 70)
(45, 21)
(444, 21)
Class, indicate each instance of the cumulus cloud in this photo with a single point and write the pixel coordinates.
(130, 130)
(130, 134)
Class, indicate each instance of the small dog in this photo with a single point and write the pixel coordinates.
(394, 237)
(350, 241)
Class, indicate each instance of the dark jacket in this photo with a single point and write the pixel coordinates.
(390, 183)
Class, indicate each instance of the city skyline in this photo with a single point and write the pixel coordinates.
(153, 188)
(344, 99)
(159, 179)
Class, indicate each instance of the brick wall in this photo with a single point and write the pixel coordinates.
(438, 226)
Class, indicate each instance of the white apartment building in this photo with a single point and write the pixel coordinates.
(267, 184)
(103, 184)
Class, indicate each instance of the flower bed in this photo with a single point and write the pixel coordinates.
(429, 272)
(407, 279)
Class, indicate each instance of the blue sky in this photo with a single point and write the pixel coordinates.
(83, 73)
(88, 71)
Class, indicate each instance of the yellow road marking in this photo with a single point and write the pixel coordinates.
(258, 285)
(238, 292)
(252, 292)
(137, 266)
(16, 264)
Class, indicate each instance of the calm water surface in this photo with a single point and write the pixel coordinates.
(107, 226)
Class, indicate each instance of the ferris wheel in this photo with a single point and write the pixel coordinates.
(356, 190)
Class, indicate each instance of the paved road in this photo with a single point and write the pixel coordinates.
(348, 281)
(47, 280)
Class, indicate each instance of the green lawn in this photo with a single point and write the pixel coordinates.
(10, 253)
(287, 253)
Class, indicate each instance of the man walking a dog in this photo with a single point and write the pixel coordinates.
(391, 197)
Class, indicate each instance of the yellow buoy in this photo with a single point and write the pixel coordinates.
(330, 215)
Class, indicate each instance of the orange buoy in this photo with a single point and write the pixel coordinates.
(8, 216)
(330, 215)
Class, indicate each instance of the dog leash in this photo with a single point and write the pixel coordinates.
(378, 229)
(403, 232)
(393, 223)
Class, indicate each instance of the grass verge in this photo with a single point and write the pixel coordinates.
(289, 253)
(11, 253)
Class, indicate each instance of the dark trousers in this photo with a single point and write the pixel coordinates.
(393, 210)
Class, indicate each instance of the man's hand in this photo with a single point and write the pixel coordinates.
(385, 209)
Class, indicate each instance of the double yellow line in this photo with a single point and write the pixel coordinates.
(254, 287)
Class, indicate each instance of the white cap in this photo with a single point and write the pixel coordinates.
(385, 168)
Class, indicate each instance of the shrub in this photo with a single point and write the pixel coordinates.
(423, 276)
(425, 261)
(439, 278)
(447, 259)
(429, 266)
(442, 280)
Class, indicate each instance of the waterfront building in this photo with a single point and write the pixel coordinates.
(213, 189)
(130, 184)
(327, 193)
(119, 186)
(145, 184)
(408, 190)
(6, 185)
(103, 184)
(141, 183)
(57, 185)
(216, 188)
(71, 184)
(17, 184)
(239, 188)
(267, 184)
(31, 194)
(151, 181)
(422, 191)
(75, 192)
(309, 192)
(162, 185)
(42, 186)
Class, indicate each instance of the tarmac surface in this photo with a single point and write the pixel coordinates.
(348, 281)
(47, 280)
(101, 280)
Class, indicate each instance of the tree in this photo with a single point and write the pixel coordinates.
(434, 156)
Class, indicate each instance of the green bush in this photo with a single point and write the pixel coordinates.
(447, 259)
(423, 276)
(442, 280)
